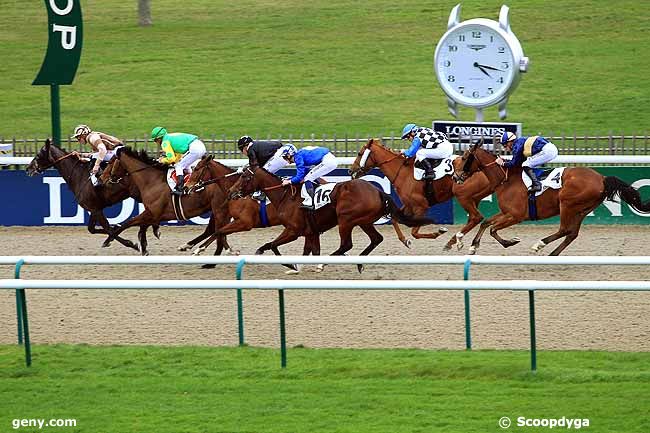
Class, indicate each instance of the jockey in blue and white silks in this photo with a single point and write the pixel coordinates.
(529, 153)
(311, 162)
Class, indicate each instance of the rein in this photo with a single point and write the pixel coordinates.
(55, 161)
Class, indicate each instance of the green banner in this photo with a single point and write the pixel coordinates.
(607, 213)
(65, 35)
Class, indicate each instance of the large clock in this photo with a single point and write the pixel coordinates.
(479, 62)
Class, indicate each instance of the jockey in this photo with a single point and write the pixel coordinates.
(103, 146)
(536, 150)
(267, 154)
(181, 149)
(312, 162)
(426, 144)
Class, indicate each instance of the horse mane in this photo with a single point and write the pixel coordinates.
(142, 156)
(383, 146)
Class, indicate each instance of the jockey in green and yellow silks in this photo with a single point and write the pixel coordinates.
(181, 150)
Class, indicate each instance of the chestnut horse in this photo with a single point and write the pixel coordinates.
(76, 174)
(244, 213)
(150, 178)
(353, 203)
(583, 189)
(399, 170)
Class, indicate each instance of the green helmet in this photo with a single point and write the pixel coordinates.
(158, 132)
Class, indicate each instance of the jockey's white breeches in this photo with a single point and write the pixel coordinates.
(109, 154)
(276, 162)
(327, 164)
(194, 153)
(547, 154)
(442, 151)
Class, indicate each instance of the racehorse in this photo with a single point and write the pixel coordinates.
(244, 213)
(353, 203)
(583, 189)
(399, 170)
(75, 172)
(149, 176)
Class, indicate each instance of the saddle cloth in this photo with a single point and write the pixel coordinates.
(171, 175)
(553, 180)
(443, 169)
(321, 195)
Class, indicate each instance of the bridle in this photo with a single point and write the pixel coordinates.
(248, 170)
(481, 167)
(40, 169)
(201, 184)
(365, 169)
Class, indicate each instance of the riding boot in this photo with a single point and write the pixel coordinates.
(536, 184)
(259, 196)
(180, 182)
(429, 175)
(309, 188)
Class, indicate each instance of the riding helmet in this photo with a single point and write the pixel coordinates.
(158, 132)
(408, 129)
(243, 141)
(81, 130)
(288, 150)
(507, 137)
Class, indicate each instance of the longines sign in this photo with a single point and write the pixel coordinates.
(65, 36)
(466, 132)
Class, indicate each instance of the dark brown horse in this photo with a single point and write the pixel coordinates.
(353, 203)
(149, 176)
(583, 189)
(399, 170)
(76, 173)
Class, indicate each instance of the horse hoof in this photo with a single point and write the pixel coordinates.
(472, 250)
(184, 247)
(447, 247)
(234, 252)
(259, 252)
(106, 244)
(156, 233)
(208, 266)
(407, 243)
(516, 240)
(320, 267)
(360, 268)
(460, 245)
(292, 272)
(198, 251)
(538, 246)
(442, 230)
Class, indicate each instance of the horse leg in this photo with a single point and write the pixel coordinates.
(345, 233)
(474, 218)
(145, 218)
(415, 232)
(375, 239)
(506, 220)
(209, 230)
(400, 235)
(570, 222)
(142, 236)
(284, 238)
(112, 233)
(476, 242)
(314, 246)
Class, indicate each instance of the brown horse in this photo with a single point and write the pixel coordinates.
(399, 170)
(353, 203)
(150, 178)
(244, 213)
(583, 189)
(75, 172)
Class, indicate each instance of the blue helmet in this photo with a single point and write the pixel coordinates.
(507, 137)
(408, 129)
(288, 150)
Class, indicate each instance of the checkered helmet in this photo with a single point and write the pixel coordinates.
(81, 130)
(288, 150)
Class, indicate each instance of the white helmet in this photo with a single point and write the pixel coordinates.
(81, 130)
(288, 150)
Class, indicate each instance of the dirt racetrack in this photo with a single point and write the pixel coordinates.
(434, 320)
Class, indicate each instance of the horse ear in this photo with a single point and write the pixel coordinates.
(210, 157)
(48, 142)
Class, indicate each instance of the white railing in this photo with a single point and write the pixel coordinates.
(345, 161)
(281, 285)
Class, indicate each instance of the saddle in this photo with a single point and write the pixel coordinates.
(441, 168)
(549, 178)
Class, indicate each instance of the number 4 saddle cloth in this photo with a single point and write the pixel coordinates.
(549, 178)
(321, 195)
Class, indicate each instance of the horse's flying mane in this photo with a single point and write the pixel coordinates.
(142, 156)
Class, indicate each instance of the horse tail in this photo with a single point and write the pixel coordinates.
(399, 215)
(615, 186)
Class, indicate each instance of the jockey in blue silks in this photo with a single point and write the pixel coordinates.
(311, 162)
(528, 152)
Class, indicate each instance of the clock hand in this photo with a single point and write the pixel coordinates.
(482, 70)
(488, 67)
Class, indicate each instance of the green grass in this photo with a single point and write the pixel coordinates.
(200, 389)
(324, 66)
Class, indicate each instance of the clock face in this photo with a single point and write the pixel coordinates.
(475, 65)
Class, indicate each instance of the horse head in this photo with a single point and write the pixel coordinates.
(200, 174)
(245, 185)
(367, 158)
(114, 172)
(474, 159)
(42, 160)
